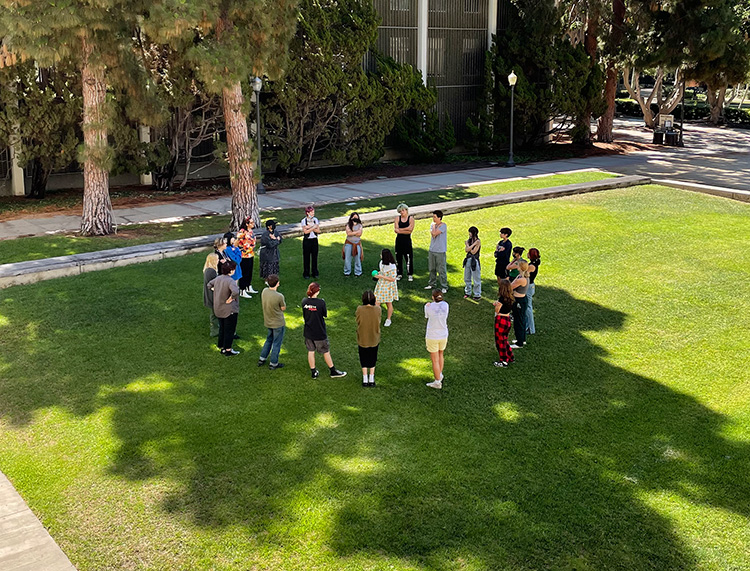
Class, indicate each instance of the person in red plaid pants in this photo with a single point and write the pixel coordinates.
(503, 323)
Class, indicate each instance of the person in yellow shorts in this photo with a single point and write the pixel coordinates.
(436, 337)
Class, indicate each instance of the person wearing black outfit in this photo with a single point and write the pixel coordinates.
(404, 226)
(311, 229)
(315, 312)
(520, 286)
(534, 262)
(502, 254)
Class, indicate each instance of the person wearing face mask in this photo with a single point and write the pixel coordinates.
(353, 246)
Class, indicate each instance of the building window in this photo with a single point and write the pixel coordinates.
(438, 5)
(436, 57)
(399, 48)
(400, 5)
(471, 6)
(472, 57)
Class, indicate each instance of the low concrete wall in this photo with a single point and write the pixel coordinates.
(37, 270)
(731, 193)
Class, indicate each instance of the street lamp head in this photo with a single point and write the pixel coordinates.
(512, 78)
(257, 84)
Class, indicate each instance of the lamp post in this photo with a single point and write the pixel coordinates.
(512, 78)
(257, 86)
(680, 143)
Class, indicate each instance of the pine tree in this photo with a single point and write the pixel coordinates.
(90, 34)
(228, 42)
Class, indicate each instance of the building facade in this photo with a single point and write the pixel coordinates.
(447, 41)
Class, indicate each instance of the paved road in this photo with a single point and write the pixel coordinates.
(714, 156)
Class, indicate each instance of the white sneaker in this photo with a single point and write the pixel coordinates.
(444, 290)
(435, 384)
(244, 293)
(411, 278)
(251, 290)
(387, 323)
(428, 287)
(515, 346)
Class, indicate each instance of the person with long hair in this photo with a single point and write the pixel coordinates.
(520, 286)
(535, 261)
(210, 272)
(246, 244)
(269, 252)
(234, 254)
(472, 267)
(502, 254)
(310, 230)
(226, 306)
(404, 226)
(353, 246)
(368, 336)
(436, 336)
(386, 290)
(503, 308)
(314, 312)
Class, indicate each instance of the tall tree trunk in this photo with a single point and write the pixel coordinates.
(39, 177)
(96, 219)
(715, 98)
(590, 44)
(605, 128)
(244, 198)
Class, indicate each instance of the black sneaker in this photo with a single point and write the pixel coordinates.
(276, 366)
(261, 362)
(230, 353)
(236, 336)
(336, 373)
(314, 373)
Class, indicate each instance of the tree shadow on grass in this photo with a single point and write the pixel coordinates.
(561, 461)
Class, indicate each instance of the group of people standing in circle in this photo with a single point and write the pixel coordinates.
(228, 273)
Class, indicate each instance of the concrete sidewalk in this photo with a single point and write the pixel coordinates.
(296, 198)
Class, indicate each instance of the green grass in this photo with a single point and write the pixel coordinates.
(620, 439)
(34, 248)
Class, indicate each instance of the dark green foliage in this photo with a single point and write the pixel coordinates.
(421, 133)
(326, 105)
(555, 79)
(40, 113)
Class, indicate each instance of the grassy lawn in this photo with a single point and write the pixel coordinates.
(39, 247)
(620, 438)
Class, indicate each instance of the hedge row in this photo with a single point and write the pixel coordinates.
(733, 116)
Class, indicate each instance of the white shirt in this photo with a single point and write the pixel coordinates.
(307, 222)
(436, 313)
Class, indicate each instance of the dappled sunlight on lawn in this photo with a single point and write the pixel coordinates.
(600, 447)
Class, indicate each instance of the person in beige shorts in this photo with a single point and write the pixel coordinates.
(436, 337)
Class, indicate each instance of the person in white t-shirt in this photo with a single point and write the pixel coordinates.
(436, 337)
(311, 229)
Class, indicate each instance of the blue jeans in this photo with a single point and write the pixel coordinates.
(273, 345)
(530, 310)
(474, 276)
(348, 261)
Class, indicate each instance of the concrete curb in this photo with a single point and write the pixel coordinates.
(21, 273)
(731, 193)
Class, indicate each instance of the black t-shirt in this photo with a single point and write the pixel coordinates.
(536, 263)
(502, 259)
(505, 307)
(314, 311)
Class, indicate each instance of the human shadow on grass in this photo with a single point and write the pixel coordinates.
(548, 464)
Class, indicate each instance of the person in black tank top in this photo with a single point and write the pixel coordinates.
(404, 226)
